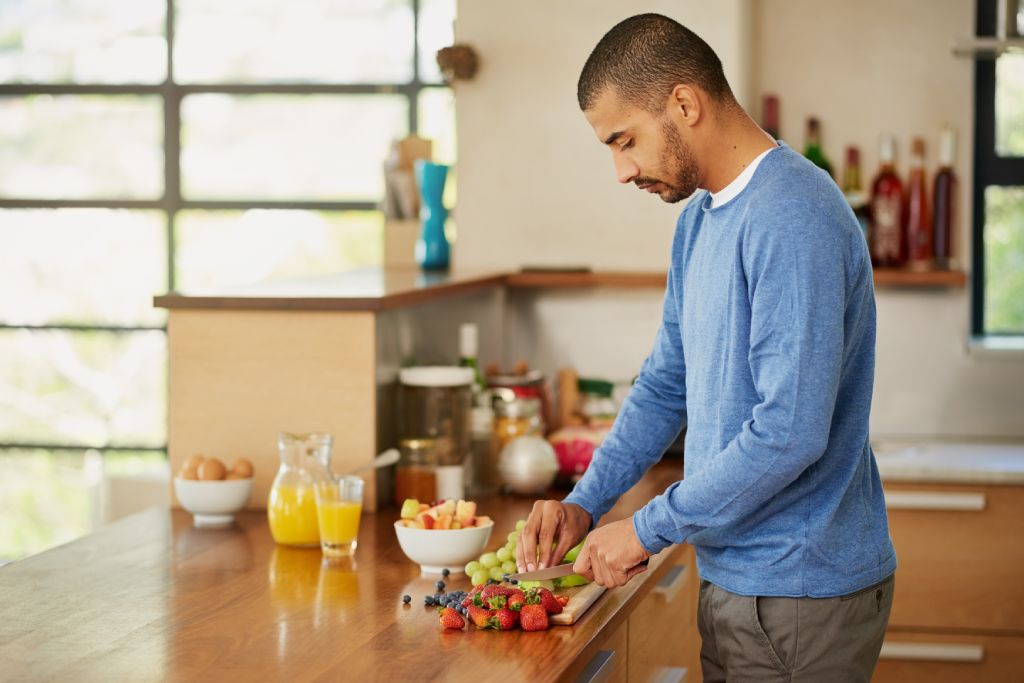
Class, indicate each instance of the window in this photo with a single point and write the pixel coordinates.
(174, 145)
(998, 236)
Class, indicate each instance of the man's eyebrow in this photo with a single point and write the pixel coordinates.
(614, 136)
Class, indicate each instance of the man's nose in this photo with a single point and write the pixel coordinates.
(625, 169)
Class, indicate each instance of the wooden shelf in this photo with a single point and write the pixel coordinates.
(554, 278)
(902, 277)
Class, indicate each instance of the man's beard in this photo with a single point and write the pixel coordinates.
(680, 165)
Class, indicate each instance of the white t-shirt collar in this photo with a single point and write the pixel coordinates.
(732, 190)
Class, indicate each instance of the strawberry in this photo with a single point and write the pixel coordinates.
(563, 600)
(533, 618)
(479, 616)
(494, 589)
(503, 619)
(497, 602)
(516, 600)
(452, 619)
(548, 601)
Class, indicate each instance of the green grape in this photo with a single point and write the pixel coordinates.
(503, 555)
(513, 537)
(520, 524)
(480, 577)
(511, 548)
(497, 573)
(473, 567)
(488, 560)
(509, 567)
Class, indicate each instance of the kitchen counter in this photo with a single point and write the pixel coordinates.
(951, 463)
(153, 598)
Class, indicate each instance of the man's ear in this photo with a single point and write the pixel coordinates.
(684, 102)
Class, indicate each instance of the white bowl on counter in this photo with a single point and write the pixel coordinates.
(213, 503)
(437, 549)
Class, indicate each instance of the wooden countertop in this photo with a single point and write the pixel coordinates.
(153, 598)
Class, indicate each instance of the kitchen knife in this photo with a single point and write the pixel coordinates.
(552, 572)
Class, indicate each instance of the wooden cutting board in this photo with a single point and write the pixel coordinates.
(580, 599)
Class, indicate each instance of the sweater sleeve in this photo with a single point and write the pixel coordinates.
(651, 418)
(795, 273)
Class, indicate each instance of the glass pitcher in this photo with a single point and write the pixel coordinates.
(291, 507)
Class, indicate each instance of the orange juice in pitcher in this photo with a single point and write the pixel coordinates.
(291, 506)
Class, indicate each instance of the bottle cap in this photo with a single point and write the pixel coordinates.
(852, 156)
(947, 147)
(887, 152)
(468, 340)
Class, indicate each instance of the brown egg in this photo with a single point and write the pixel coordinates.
(194, 461)
(243, 468)
(211, 470)
(235, 475)
(187, 472)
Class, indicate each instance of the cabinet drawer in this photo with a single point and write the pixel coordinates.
(948, 659)
(663, 640)
(959, 556)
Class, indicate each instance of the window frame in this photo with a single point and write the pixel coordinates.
(989, 168)
(172, 202)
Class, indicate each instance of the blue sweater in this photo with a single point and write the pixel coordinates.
(766, 355)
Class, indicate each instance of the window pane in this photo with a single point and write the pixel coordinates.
(437, 18)
(288, 146)
(52, 497)
(81, 147)
(246, 41)
(1010, 105)
(218, 249)
(1004, 260)
(437, 122)
(55, 266)
(88, 388)
(82, 41)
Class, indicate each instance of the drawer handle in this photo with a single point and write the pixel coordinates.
(932, 652)
(599, 669)
(934, 500)
(670, 674)
(670, 584)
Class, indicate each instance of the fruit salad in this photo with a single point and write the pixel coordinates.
(442, 515)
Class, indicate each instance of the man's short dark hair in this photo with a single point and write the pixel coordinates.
(644, 58)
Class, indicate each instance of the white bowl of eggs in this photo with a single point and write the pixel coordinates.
(212, 492)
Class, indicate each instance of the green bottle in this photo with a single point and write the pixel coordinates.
(813, 148)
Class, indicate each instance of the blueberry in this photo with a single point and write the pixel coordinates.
(406, 599)
(491, 582)
(445, 572)
(514, 582)
(504, 577)
(428, 600)
(439, 585)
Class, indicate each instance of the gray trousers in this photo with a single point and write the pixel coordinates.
(792, 639)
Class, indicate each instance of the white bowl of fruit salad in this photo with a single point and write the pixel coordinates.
(444, 536)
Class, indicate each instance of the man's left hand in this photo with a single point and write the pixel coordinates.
(611, 554)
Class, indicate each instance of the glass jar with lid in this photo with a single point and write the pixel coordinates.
(515, 417)
(416, 472)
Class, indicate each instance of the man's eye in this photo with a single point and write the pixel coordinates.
(628, 145)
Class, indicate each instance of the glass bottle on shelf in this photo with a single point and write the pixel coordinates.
(812, 149)
(416, 472)
(770, 116)
(887, 238)
(468, 352)
(943, 198)
(291, 505)
(517, 417)
(918, 221)
(852, 189)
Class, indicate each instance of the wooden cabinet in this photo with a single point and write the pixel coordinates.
(663, 641)
(960, 560)
(908, 657)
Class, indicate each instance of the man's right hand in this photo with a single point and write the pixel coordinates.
(550, 521)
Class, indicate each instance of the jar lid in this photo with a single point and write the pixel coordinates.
(416, 444)
(436, 376)
(521, 407)
(595, 386)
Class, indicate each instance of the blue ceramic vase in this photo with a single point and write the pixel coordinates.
(432, 251)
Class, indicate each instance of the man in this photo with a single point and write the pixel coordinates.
(765, 354)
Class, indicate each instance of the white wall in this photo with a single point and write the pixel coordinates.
(535, 187)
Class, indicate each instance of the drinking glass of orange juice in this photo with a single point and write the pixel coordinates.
(339, 502)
